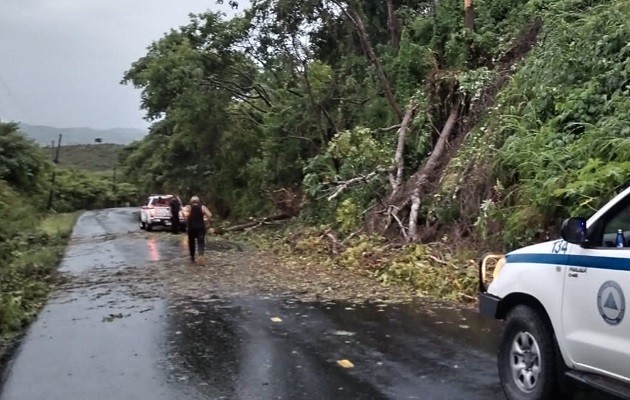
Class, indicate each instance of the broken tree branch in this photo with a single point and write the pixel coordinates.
(412, 190)
(413, 215)
(394, 215)
(344, 185)
(389, 129)
(353, 234)
(336, 246)
(437, 260)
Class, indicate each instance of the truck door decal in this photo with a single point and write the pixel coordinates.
(559, 246)
(611, 303)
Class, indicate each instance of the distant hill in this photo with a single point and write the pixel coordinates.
(44, 135)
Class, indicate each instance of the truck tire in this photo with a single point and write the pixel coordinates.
(527, 356)
(149, 226)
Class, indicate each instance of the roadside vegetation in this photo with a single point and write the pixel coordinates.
(405, 136)
(33, 237)
(29, 270)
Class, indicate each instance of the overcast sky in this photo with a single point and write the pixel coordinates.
(61, 61)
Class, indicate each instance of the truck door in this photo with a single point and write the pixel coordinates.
(596, 324)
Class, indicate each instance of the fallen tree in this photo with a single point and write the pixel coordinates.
(254, 223)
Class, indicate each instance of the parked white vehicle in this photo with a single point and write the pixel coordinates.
(156, 211)
(564, 306)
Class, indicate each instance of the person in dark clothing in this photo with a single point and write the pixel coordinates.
(196, 215)
(175, 206)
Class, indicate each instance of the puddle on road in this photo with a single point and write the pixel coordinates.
(448, 323)
(201, 348)
(377, 319)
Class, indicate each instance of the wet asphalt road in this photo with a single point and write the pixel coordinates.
(100, 343)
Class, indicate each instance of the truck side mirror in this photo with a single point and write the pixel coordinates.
(574, 230)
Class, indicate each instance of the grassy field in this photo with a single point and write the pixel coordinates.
(59, 224)
(89, 157)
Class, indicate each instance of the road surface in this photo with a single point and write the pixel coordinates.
(122, 338)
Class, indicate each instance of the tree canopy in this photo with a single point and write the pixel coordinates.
(379, 114)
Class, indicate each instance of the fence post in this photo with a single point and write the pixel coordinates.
(54, 174)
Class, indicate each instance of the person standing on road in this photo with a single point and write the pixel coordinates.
(196, 227)
(175, 207)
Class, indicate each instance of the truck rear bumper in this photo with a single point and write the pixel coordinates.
(166, 221)
(160, 221)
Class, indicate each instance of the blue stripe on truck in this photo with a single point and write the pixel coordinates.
(613, 263)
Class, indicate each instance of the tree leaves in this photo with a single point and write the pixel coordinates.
(22, 162)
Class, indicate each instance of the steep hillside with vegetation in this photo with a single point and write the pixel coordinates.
(410, 120)
(28, 253)
(558, 140)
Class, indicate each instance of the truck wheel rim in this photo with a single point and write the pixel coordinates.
(525, 361)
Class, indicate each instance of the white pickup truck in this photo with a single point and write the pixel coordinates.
(156, 211)
(564, 307)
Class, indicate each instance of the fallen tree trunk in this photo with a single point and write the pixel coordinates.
(421, 177)
(410, 194)
(255, 223)
(396, 173)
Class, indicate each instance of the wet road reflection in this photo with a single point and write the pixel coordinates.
(111, 239)
(154, 254)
